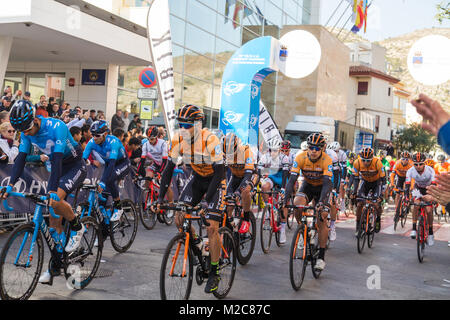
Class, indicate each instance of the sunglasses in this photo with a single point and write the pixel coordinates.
(314, 148)
(366, 160)
(404, 159)
(11, 131)
(97, 135)
(419, 164)
(185, 125)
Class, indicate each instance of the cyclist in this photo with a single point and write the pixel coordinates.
(423, 177)
(275, 166)
(441, 166)
(399, 171)
(117, 164)
(315, 166)
(68, 169)
(239, 159)
(387, 168)
(202, 150)
(351, 157)
(154, 149)
(370, 170)
(335, 181)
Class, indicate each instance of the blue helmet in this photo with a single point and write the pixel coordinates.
(99, 127)
(22, 115)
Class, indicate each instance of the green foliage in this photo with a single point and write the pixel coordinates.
(413, 139)
(443, 12)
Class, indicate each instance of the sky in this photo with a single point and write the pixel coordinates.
(387, 18)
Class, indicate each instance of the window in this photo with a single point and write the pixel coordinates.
(377, 124)
(389, 122)
(363, 88)
(389, 91)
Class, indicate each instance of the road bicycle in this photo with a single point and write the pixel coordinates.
(402, 210)
(181, 255)
(304, 247)
(123, 232)
(22, 256)
(270, 221)
(366, 227)
(146, 215)
(245, 243)
(422, 229)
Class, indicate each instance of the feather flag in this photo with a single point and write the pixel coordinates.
(228, 4)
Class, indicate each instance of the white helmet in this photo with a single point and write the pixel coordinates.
(304, 145)
(274, 144)
(335, 146)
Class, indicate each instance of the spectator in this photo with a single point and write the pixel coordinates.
(117, 121)
(126, 120)
(8, 145)
(41, 109)
(76, 133)
(6, 103)
(7, 90)
(134, 151)
(86, 132)
(435, 119)
(65, 106)
(4, 117)
(55, 111)
(91, 118)
(133, 123)
(101, 116)
(390, 149)
(79, 119)
(42, 99)
(119, 133)
(27, 96)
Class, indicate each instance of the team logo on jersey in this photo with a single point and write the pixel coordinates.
(330, 168)
(295, 164)
(249, 161)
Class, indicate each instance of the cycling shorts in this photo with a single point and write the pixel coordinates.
(310, 192)
(73, 177)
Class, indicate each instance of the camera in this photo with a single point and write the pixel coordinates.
(73, 113)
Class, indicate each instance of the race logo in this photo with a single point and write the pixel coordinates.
(231, 117)
(255, 91)
(253, 120)
(232, 87)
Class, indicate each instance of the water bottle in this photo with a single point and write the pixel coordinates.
(48, 165)
(312, 235)
(205, 248)
(56, 238)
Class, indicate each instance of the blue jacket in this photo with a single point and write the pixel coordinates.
(444, 137)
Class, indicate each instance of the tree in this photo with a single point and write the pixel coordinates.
(443, 12)
(413, 138)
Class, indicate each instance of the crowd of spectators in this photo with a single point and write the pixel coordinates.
(130, 132)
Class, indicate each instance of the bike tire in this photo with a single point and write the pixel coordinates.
(85, 261)
(398, 211)
(27, 231)
(227, 263)
(314, 252)
(361, 238)
(147, 216)
(371, 234)
(404, 216)
(245, 245)
(420, 239)
(129, 220)
(277, 219)
(290, 218)
(180, 291)
(266, 230)
(297, 265)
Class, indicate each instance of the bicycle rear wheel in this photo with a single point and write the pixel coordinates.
(404, 216)
(277, 220)
(361, 238)
(17, 279)
(82, 264)
(266, 230)
(298, 263)
(246, 242)
(420, 239)
(398, 211)
(124, 231)
(227, 263)
(314, 253)
(173, 284)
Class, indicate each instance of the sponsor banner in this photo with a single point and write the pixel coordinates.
(160, 42)
(267, 125)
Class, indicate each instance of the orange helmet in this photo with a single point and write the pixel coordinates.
(366, 153)
(316, 139)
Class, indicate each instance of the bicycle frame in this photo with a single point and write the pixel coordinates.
(306, 227)
(93, 198)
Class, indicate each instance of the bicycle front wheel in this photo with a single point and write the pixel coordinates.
(362, 235)
(404, 216)
(147, 216)
(246, 242)
(290, 218)
(227, 263)
(175, 278)
(298, 258)
(82, 264)
(19, 268)
(124, 231)
(421, 239)
(266, 230)
(371, 230)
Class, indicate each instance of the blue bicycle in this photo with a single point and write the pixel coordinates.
(22, 256)
(123, 232)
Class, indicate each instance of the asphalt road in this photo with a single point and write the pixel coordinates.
(389, 270)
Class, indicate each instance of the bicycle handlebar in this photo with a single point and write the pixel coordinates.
(185, 208)
(31, 196)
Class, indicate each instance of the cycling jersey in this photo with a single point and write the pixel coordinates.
(111, 149)
(200, 154)
(156, 152)
(400, 170)
(350, 167)
(241, 162)
(313, 172)
(442, 167)
(422, 180)
(371, 173)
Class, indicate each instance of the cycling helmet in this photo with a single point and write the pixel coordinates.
(304, 146)
(419, 157)
(286, 145)
(152, 132)
(316, 139)
(351, 155)
(441, 157)
(99, 127)
(22, 115)
(230, 143)
(366, 153)
(382, 153)
(405, 154)
(335, 146)
(190, 113)
(274, 144)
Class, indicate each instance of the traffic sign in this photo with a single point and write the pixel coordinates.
(147, 77)
(147, 93)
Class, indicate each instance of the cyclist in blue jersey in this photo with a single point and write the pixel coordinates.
(68, 169)
(117, 164)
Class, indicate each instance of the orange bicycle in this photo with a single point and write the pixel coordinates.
(177, 267)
